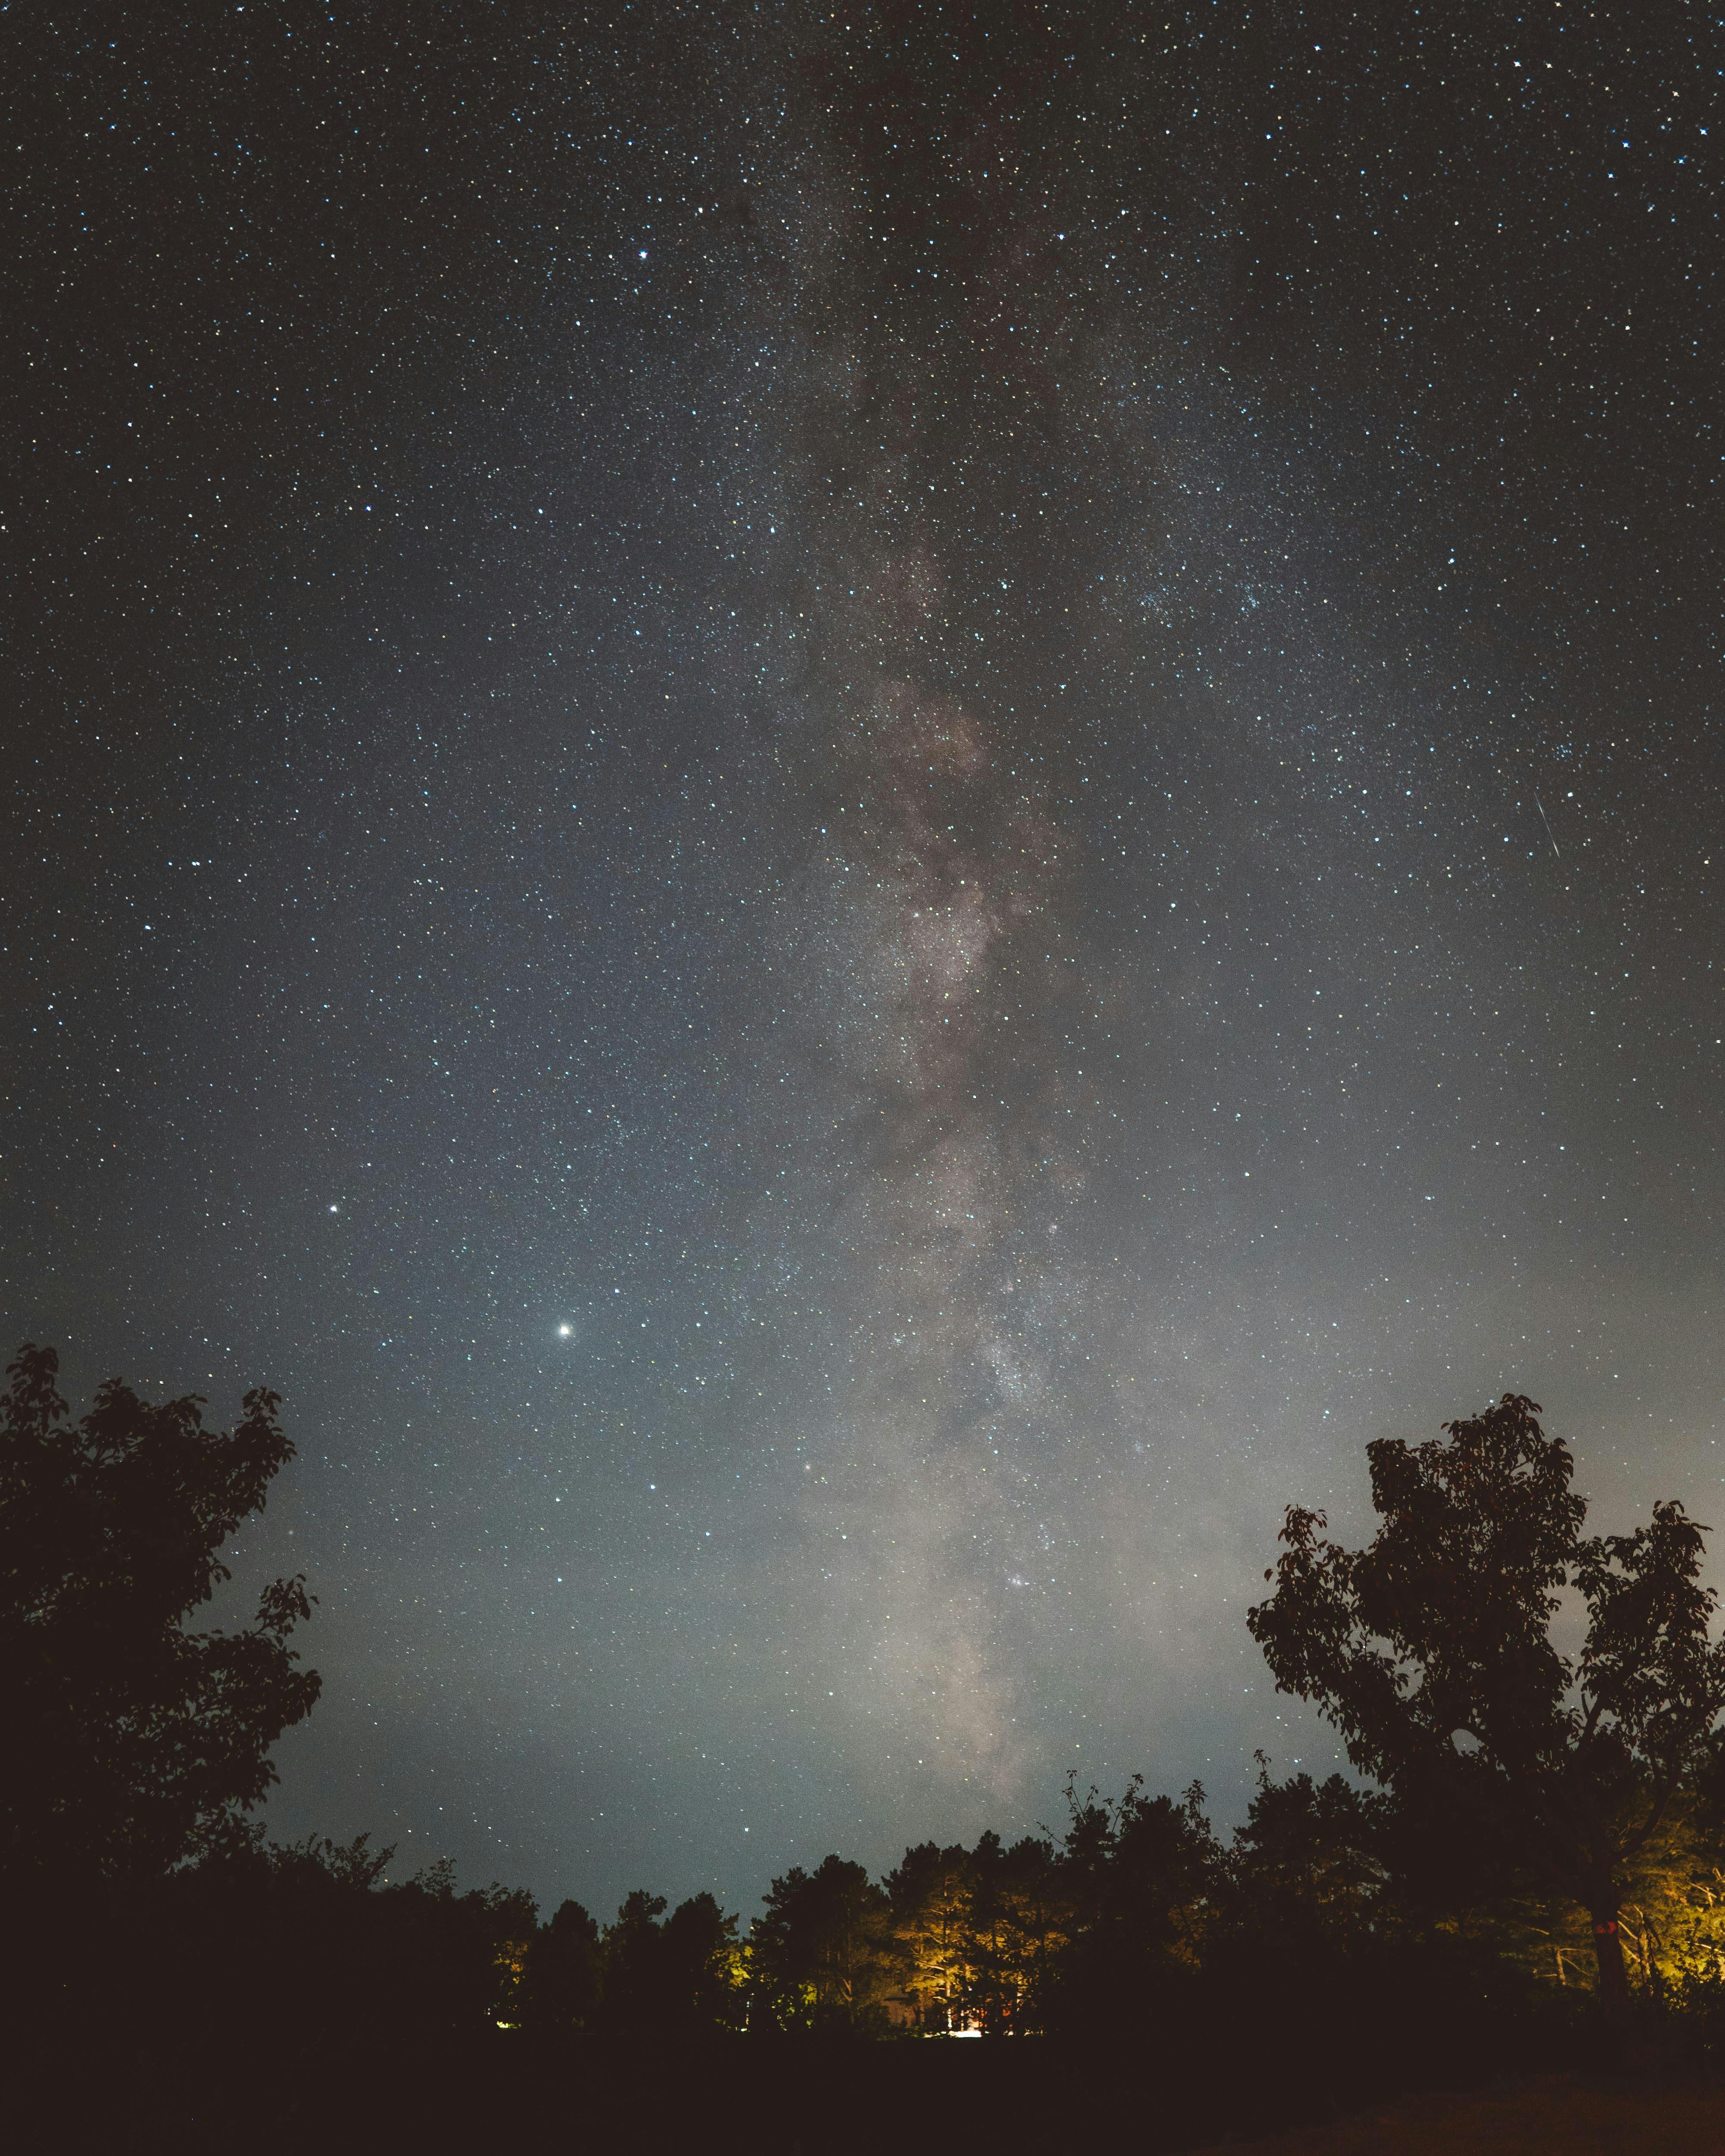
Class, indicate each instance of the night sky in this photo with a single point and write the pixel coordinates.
(852, 817)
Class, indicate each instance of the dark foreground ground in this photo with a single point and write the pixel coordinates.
(1552, 2116)
(815, 2100)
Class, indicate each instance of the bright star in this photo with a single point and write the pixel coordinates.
(566, 1330)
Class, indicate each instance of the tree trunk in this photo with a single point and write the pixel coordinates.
(1613, 1979)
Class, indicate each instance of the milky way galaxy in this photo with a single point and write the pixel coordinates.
(852, 821)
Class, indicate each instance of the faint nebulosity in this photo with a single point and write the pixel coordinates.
(852, 817)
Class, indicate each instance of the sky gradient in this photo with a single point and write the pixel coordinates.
(852, 817)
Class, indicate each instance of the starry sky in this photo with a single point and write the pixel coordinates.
(852, 816)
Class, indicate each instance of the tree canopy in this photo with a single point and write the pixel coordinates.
(1432, 1651)
(1537, 1706)
(133, 1742)
(820, 1952)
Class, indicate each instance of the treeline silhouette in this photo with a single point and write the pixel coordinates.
(1538, 1876)
(1315, 1960)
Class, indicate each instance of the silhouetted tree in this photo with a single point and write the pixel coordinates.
(1140, 1882)
(820, 1956)
(1018, 1931)
(461, 1958)
(1430, 1651)
(1311, 1851)
(703, 1967)
(131, 1742)
(1144, 1870)
(681, 1977)
(634, 1979)
(930, 1895)
(561, 1991)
